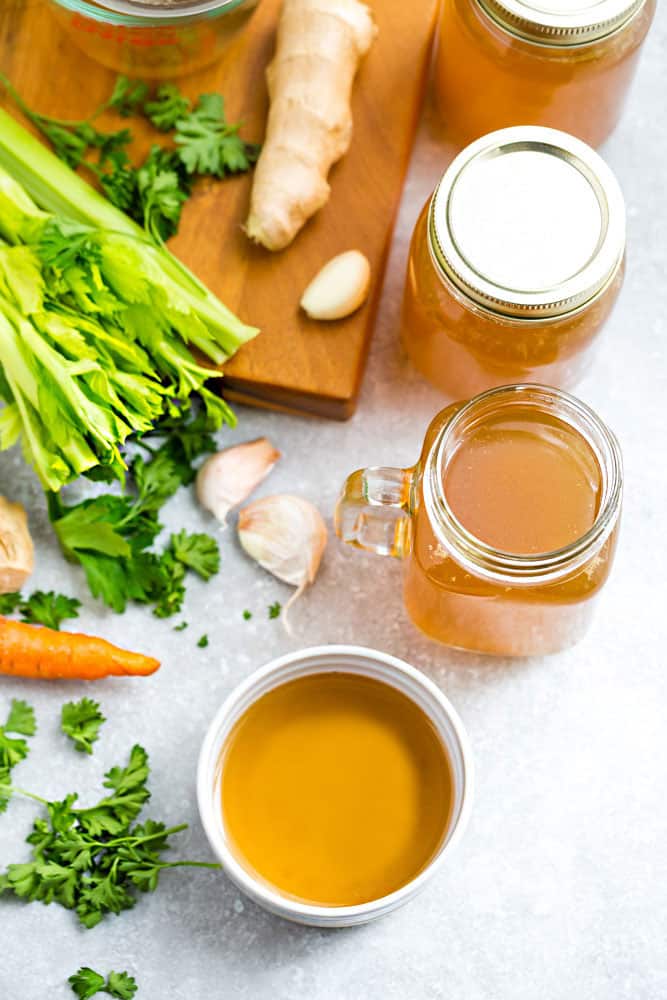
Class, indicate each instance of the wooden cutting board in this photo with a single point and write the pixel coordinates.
(295, 363)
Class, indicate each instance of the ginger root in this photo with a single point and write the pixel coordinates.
(16, 549)
(318, 49)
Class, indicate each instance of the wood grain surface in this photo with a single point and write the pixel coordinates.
(295, 363)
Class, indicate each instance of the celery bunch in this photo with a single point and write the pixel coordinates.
(96, 321)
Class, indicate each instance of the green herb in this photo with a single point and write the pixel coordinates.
(199, 552)
(87, 983)
(247, 615)
(154, 192)
(49, 609)
(127, 96)
(94, 860)
(208, 144)
(203, 642)
(110, 535)
(41, 608)
(9, 603)
(162, 188)
(81, 721)
(167, 108)
(275, 609)
(20, 722)
(181, 628)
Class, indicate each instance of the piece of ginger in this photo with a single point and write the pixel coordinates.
(16, 549)
(318, 49)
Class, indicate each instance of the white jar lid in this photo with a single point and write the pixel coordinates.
(561, 22)
(528, 222)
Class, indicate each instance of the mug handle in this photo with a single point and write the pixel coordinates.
(374, 511)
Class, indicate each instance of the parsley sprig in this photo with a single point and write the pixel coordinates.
(41, 608)
(20, 722)
(94, 860)
(111, 535)
(153, 192)
(87, 983)
(81, 721)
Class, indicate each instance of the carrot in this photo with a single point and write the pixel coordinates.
(33, 651)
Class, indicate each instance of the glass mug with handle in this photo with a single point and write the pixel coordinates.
(507, 523)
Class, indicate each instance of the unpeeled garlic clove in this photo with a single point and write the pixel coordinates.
(286, 535)
(227, 478)
(339, 288)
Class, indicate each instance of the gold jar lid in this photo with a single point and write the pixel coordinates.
(561, 22)
(528, 222)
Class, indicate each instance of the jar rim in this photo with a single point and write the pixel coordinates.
(152, 16)
(497, 565)
(527, 222)
(545, 25)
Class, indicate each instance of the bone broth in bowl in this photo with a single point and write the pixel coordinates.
(332, 783)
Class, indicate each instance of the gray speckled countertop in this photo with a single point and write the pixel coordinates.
(558, 890)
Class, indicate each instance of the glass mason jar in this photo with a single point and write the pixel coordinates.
(567, 65)
(461, 590)
(515, 263)
(156, 39)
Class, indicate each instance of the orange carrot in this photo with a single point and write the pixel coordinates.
(33, 651)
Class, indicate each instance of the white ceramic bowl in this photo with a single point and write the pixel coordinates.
(324, 659)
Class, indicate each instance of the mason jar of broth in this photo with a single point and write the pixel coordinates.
(564, 64)
(507, 524)
(515, 263)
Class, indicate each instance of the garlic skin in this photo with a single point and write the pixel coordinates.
(339, 288)
(286, 535)
(227, 478)
(17, 554)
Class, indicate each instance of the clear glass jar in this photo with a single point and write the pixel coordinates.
(152, 41)
(460, 589)
(515, 264)
(566, 65)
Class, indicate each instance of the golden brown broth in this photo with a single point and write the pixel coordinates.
(486, 78)
(461, 609)
(463, 350)
(524, 482)
(336, 789)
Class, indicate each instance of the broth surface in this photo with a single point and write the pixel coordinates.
(336, 789)
(524, 482)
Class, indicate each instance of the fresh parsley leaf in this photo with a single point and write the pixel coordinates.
(95, 860)
(199, 552)
(156, 480)
(121, 985)
(13, 750)
(181, 628)
(168, 106)
(87, 983)
(247, 615)
(170, 591)
(127, 96)
(275, 609)
(208, 145)
(49, 609)
(203, 642)
(9, 603)
(162, 194)
(81, 721)
(21, 718)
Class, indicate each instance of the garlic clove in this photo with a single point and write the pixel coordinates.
(17, 554)
(286, 535)
(227, 478)
(339, 288)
